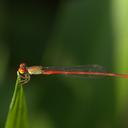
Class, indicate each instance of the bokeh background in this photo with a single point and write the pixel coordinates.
(66, 33)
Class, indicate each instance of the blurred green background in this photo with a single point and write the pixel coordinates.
(66, 33)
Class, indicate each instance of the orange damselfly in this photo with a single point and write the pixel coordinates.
(81, 71)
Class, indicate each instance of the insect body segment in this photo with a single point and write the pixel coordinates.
(35, 70)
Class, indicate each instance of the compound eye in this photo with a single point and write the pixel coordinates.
(22, 65)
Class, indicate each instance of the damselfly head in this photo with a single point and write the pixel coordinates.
(22, 68)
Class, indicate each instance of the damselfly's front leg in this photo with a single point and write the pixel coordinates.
(23, 78)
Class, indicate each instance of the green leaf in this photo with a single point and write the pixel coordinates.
(17, 115)
(120, 22)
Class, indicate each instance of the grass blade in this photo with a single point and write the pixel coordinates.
(17, 115)
(120, 23)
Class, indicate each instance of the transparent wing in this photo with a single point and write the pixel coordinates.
(86, 71)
